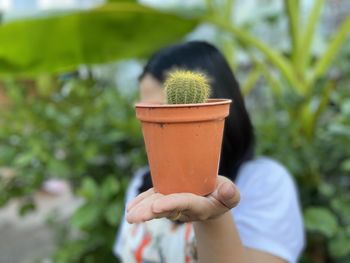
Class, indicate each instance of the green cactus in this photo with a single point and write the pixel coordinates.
(186, 87)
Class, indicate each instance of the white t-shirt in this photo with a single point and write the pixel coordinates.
(268, 218)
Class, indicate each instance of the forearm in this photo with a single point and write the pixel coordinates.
(218, 241)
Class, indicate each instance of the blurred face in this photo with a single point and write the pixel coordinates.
(151, 90)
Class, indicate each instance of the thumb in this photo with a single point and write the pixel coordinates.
(228, 194)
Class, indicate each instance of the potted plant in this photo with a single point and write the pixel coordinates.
(183, 136)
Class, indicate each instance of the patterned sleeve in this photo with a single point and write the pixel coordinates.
(131, 193)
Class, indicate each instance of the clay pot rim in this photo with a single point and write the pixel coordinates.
(210, 102)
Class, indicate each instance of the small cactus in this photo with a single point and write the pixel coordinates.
(186, 87)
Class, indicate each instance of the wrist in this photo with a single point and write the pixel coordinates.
(215, 221)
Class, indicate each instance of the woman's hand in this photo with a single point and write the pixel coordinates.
(184, 207)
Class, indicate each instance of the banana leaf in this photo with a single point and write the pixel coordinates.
(58, 43)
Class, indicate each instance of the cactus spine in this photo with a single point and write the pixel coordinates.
(186, 87)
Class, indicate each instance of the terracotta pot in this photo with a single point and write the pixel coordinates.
(183, 144)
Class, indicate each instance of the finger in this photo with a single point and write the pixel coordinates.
(177, 202)
(142, 211)
(139, 198)
(228, 194)
(185, 215)
(173, 214)
(168, 214)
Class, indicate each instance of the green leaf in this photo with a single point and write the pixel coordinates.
(322, 220)
(278, 60)
(342, 206)
(62, 42)
(24, 159)
(345, 107)
(88, 189)
(308, 35)
(27, 208)
(307, 118)
(324, 100)
(86, 216)
(326, 59)
(340, 245)
(273, 84)
(326, 189)
(292, 10)
(117, 1)
(251, 81)
(345, 165)
(110, 187)
(113, 213)
(115, 136)
(338, 129)
(57, 168)
(228, 9)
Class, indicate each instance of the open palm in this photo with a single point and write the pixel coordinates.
(184, 206)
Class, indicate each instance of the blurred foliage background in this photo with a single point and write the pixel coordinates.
(67, 112)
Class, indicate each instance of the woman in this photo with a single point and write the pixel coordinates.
(252, 216)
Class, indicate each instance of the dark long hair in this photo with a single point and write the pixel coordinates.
(238, 139)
